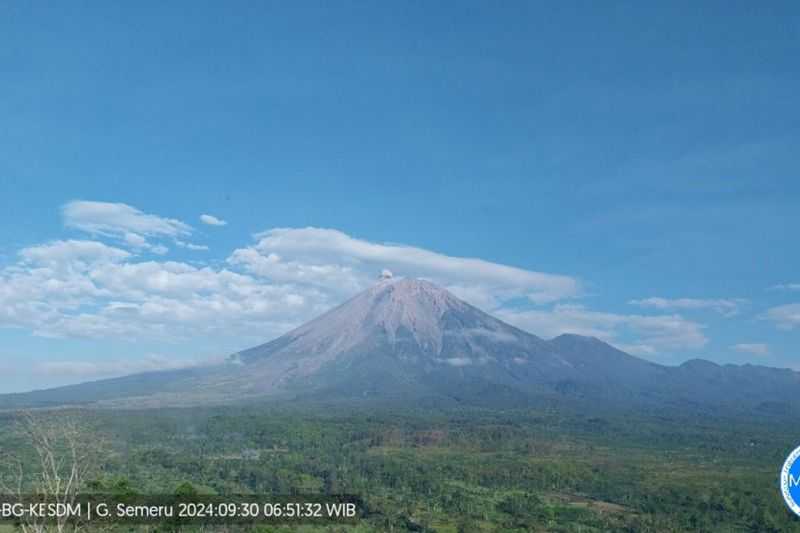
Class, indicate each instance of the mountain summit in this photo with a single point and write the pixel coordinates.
(400, 335)
(411, 341)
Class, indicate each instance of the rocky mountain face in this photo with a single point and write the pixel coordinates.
(409, 341)
(404, 333)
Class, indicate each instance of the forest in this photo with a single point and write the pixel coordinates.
(446, 470)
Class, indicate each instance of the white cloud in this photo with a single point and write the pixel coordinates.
(333, 259)
(116, 219)
(52, 279)
(726, 307)
(649, 334)
(190, 246)
(755, 348)
(76, 253)
(212, 220)
(135, 240)
(123, 222)
(784, 316)
(88, 289)
(786, 287)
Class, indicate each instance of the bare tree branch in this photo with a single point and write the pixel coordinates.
(65, 454)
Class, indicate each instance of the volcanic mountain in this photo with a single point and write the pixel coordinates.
(409, 341)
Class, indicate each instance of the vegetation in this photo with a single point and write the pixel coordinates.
(455, 471)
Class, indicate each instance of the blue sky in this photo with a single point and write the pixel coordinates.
(636, 165)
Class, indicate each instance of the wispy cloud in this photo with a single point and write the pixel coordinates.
(332, 258)
(726, 307)
(754, 348)
(640, 334)
(786, 287)
(85, 288)
(118, 220)
(128, 225)
(76, 253)
(211, 220)
(784, 316)
(190, 246)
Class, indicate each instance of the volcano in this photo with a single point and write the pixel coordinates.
(401, 334)
(409, 341)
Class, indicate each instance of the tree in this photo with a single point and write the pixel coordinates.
(55, 456)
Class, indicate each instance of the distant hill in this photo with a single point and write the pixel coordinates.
(407, 340)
